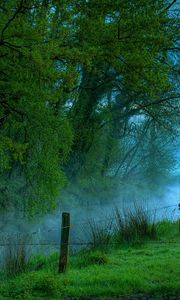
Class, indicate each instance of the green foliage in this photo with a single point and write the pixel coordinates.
(72, 76)
(86, 258)
(98, 258)
(35, 140)
(134, 226)
(30, 285)
(130, 78)
(99, 235)
(16, 257)
(39, 262)
(46, 285)
(167, 229)
(151, 269)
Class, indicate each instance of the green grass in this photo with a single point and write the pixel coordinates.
(152, 268)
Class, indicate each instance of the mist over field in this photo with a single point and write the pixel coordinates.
(44, 233)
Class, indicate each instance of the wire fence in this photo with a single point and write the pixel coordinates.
(83, 243)
(4, 241)
(16, 250)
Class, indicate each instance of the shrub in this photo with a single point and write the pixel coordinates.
(98, 258)
(134, 225)
(46, 284)
(168, 229)
(16, 256)
(34, 285)
(89, 257)
(99, 235)
(37, 262)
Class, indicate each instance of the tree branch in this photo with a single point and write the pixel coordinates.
(11, 19)
(169, 6)
(158, 102)
(12, 109)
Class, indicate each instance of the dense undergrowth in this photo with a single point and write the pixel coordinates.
(150, 267)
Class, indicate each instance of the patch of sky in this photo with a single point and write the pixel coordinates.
(112, 18)
(137, 119)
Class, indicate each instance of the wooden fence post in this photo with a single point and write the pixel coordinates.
(64, 247)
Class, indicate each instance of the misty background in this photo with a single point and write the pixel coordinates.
(89, 115)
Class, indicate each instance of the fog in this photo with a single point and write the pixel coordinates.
(43, 235)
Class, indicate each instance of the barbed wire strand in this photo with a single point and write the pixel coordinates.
(83, 243)
(88, 222)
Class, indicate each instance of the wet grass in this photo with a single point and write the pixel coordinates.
(151, 268)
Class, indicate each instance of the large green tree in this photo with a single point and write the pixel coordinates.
(72, 75)
(35, 140)
(132, 77)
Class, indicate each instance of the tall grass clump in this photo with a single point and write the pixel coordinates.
(134, 225)
(16, 256)
(99, 234)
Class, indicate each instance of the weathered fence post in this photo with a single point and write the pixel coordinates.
(64, 247)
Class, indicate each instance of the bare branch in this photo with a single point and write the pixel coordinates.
(132, 152)
(158, 102)
(169, 6)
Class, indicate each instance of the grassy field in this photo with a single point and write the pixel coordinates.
(150, 268)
